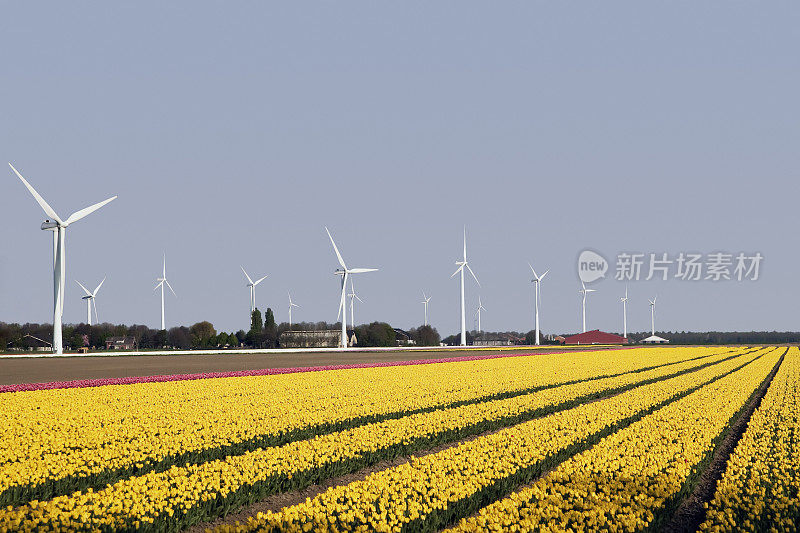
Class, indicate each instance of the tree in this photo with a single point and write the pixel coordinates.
(425, 336)
(256, 323)
(376, 334)
(270, 329)
(201, 333)
(180, 337)
(160, 339)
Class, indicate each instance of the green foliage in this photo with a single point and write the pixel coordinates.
(376, 334)
(202, 334)
(425, 336)
(256, 322)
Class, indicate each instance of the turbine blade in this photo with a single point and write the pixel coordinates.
(335, 249)
(259, 280)
(465, 244)
(473, 274)
(361, 270)
(357, 298)
(94, 304)
(98, 287)
(246, 275)
(170, 288)
(543, 275)
(49, 211)
(159, 284)
(77, 215)
(534, 272)
(84, 288)
(457, 270)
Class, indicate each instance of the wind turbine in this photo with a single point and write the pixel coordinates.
(252, 284)
(291, 304)
(161, 282)
(461, 265)
(59, 228)
(344, 272)
(353, 296)
(583, 291)
(425, 301)
(537, 280)
(90, 296)
(624, 301)
(653, 314)
(480, 307)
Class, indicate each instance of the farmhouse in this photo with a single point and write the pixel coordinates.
(323, 338)
(120, 343)
(492, 341)
(595, 337)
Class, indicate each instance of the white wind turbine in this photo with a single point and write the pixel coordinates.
(537, 280)
(461, 265)
(291, 304)
(353, 296)
(59, 229)
(344, 272)
(252, 284)
(653, 315)
(583, 291)
(161, 282)
(480, 307)
(90, 301)
(425, 301)
(624, 301)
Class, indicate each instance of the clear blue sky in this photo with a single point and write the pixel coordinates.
(234, 132)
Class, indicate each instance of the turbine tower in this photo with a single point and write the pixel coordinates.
(90, 296)
(59, 228)
(353, 296)
(653, 315)
(344, 272)
(161, 282)
(291, 304)
(583, 291)
(461, 265)
(425, 301)
(537, 280)
(624, 301)
(252, 284)
(480, 307)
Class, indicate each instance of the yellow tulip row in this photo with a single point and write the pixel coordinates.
(430, 491)
(759, 489)
(630, 478)
(59, 440)
(182, 495)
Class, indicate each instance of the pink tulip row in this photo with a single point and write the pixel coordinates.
(239, 373)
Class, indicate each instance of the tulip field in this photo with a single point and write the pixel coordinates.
(611, 440)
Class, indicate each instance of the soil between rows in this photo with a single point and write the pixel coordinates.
(276, 502)
(691, 512)
(32, 370)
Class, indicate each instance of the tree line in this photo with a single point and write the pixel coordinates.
(263, 333)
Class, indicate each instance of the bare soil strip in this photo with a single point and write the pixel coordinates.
(691, 512)
(16, 371)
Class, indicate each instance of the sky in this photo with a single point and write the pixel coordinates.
(233, 133)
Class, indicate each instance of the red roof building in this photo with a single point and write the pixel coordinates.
(595, 337)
